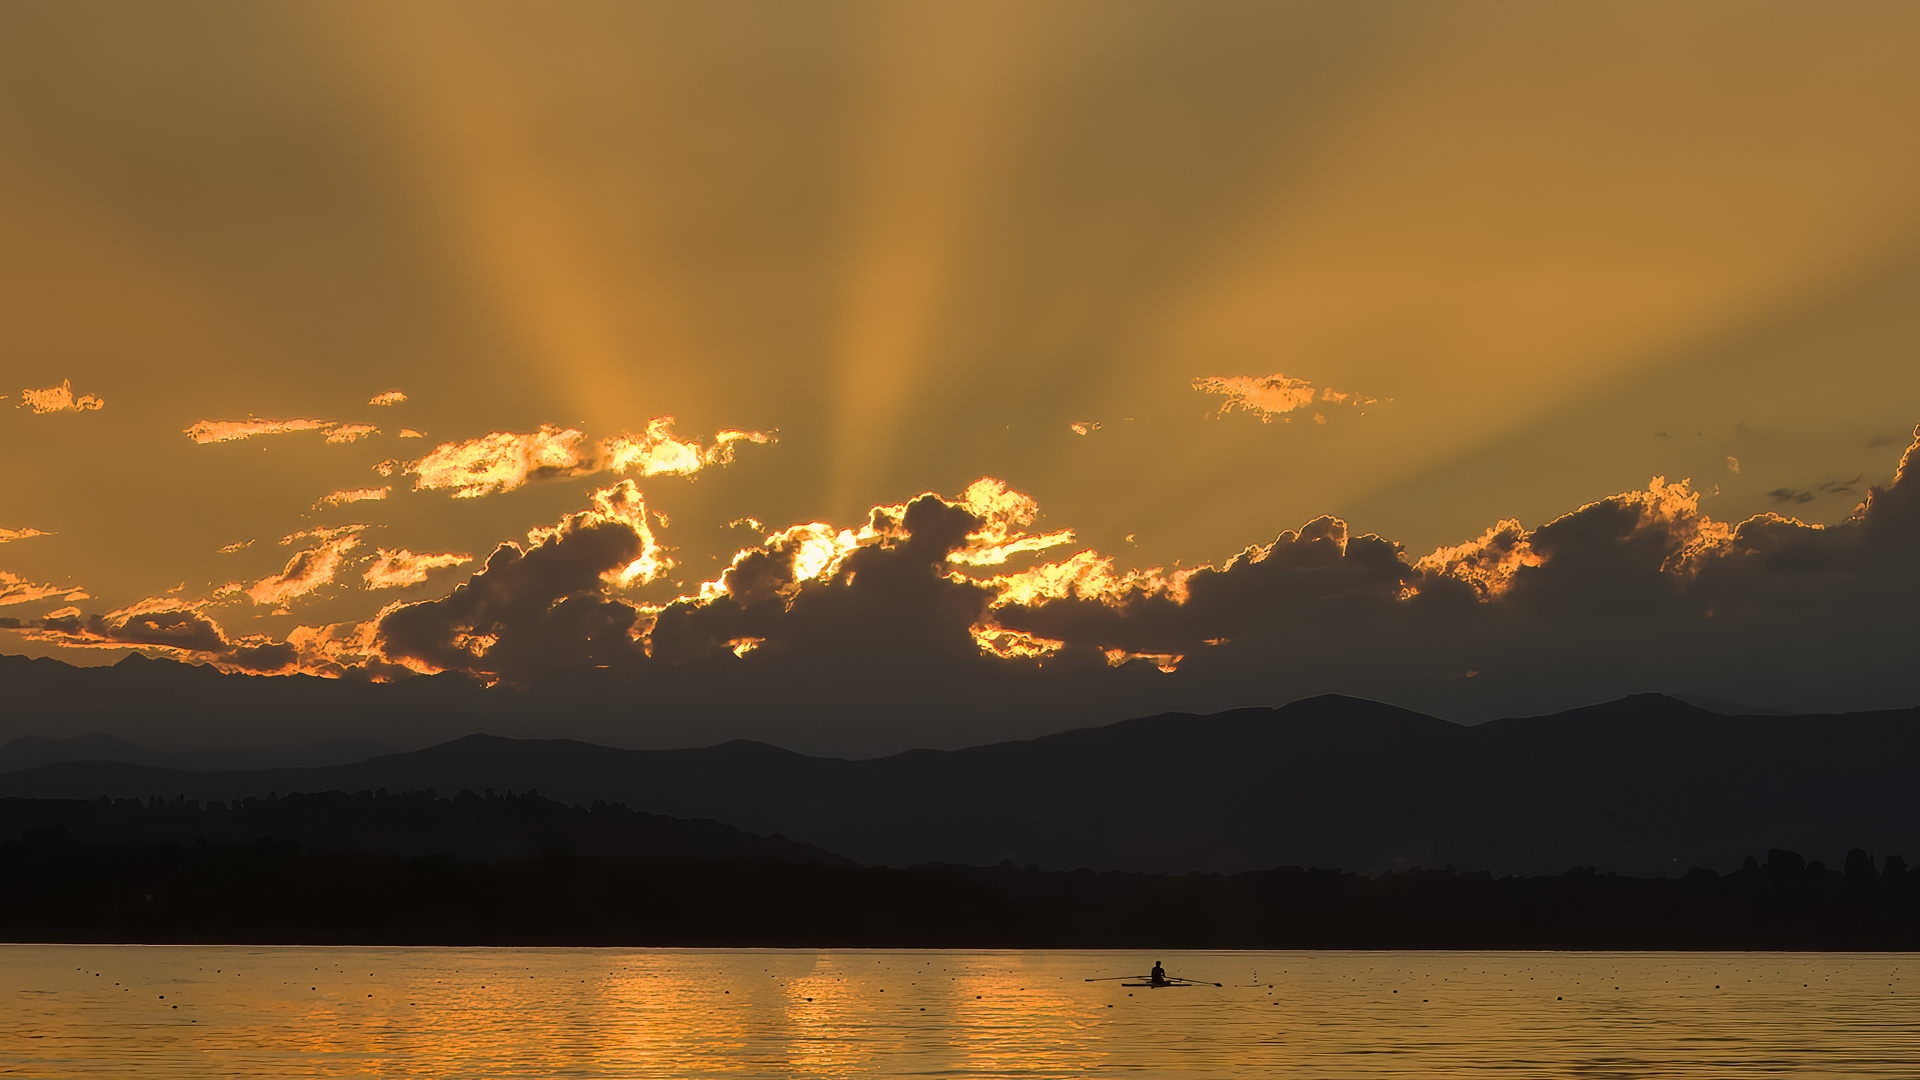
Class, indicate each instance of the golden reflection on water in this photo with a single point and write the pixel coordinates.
(133, 1011)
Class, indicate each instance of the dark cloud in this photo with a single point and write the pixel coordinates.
(816, 631)
(528, 611)
(180, 629)
(171, 627)
(883, 605)
(1841, 487)
(1788, 496)
(274, 656)
(886, 636)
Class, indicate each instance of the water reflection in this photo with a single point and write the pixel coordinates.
(89, 1011)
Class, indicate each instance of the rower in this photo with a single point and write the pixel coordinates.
(1158, 976)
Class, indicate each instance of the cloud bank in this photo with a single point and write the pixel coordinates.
(958, 611)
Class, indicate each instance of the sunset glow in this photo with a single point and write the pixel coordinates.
(1052, 364)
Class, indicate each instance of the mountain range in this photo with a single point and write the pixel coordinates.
(1644, 785)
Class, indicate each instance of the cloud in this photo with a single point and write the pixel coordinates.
(1790, 496)
(1733, 464)
(1273, 395)
(162, 622)
(409, 433)
(503, 460)
(1487, 564)
(218, 431)
(261, 657)
(540, 607)
(879, 600)
(15, 589)
(657, 452)
(308, 570)
(391, 569)
(7, 535)
(58, 399)
(1084, 427)
(391, 397)
(948, 610)
(354, 495)
(320, 534)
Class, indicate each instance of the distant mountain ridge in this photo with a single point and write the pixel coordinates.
(1645, 785)
(487, 827)
(31, 750)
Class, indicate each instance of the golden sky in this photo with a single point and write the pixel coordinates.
(1493, 260)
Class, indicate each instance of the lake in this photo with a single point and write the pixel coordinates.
(290, 1012)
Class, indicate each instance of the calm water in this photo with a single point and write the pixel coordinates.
(131, 1011)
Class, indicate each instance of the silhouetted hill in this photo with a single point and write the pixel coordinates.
(1647, 784)
(490, 826)
(144, 703)
(31, 750)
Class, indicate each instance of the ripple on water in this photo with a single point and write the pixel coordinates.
(92, 1011)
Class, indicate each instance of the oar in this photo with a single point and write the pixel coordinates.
(1117, 978)
(1196, 982)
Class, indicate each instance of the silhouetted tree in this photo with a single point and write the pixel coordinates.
(1860, 866)
(1784, 863)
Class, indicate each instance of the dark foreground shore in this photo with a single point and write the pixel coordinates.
(54, 887)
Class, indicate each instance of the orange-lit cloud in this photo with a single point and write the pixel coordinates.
(334, 648)
(815, 551)
(1488, 563)
(346, 433)
(504, 460)
(501, 461)
(391, 397)
(20, 534)
(1001, 512)
(15, 589)
(393, 569)
(1167, 662)
(620, 504)
(1085, 427)
(161, 622)
(1086, 574)
(539, 607)
(238, 545)
(218, 431)
(321, 534)
(308, 570)
(902, 598)
(1273, 395)
(59, 399)
(657, 452)
(353, 495)
(1014, 644)
(409, 433)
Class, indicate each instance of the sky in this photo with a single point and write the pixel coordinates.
(306, 309)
